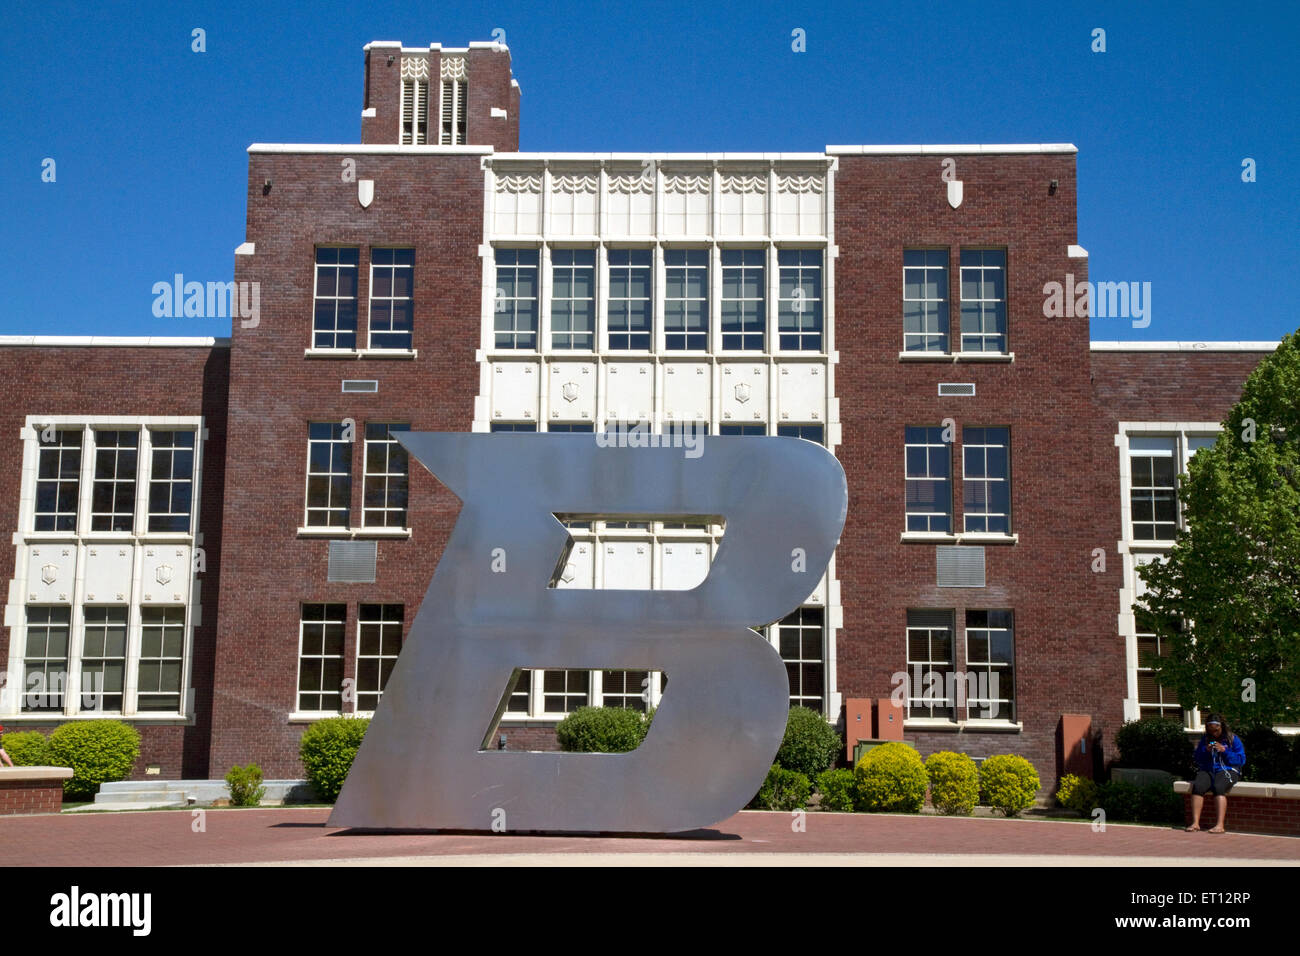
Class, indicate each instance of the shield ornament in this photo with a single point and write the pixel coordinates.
(365, 192)
(954, 193)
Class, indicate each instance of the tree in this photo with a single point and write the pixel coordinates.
(1227, 599)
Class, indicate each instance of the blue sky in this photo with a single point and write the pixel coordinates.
(149, 137)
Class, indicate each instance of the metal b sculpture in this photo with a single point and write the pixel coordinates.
(491, 610)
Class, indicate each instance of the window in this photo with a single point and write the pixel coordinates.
(983, 300)
(565, 691)
(1153, 495)
(379, 640)
(415, 112)
(799, 313)
(103, 659)
(925, 300)
(112, 501)
(171, 480)
(58, 480)
(586, 428)
(320, 657)
(630, 308)
(625, 689)
(929, 658)
(329, 476)
(929, 480)
(391, 304)
(742, 430)
(514, 427)
(1154, 700)
(334, 318)
(387, 471)
(990, 656)
(800, 644)
(812, 433)
(986, 480)
(573, 298)
(515, 321)
(45, 658)
(454, 95)
(520, 694)
(162, 653)
(744, 309)
(686, 299)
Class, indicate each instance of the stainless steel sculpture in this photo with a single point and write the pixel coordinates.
(490, 610)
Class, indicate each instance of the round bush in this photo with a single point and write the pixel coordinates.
(245, 785)
(954, 783)
(891, 778)
(1159, 804)
(602, 730)
(836, 788)
(1008, 783)
(98, 751)
(810, 745)
(27, 748)
(1270, 757)
(1155, 743)
(327, 750)
(1077, 793)
(782, 790)
(1119, 799)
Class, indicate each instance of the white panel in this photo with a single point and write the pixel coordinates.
(51, 573)
(801, 392)
(744, 392)
(165, 573)
(579, 571)
(629, 202)
(573, 392)
(800, 205)
(743, 205)
(108, 572)
(515, 392)
(686, 391)
(686, 205)
(818, 596)
(1139, 586)
(627, 565)
(518, 205)
(685, 564)
(630, 391)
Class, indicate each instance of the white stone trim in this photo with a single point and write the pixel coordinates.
(111, 341)
(945, 150)
(366, 149)
(1115, 346)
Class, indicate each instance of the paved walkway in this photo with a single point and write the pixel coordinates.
(299, 836)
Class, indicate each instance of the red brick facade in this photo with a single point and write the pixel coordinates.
(30, 796)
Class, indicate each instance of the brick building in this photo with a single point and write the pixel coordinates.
(227, 543)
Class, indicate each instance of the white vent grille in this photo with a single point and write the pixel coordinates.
(958, 566)
(353, 562)
(360, 385)
(957, 389)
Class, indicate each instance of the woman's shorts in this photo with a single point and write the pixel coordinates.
(1221, 783)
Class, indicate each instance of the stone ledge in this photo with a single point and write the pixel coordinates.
(1272, 791)
(8, 774)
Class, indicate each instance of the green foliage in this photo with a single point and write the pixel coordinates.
(1154, 803)
(245, 784)
(327, 750)
(602, 730)
(1008, 783)
(891, 778)
(836, 788)
(1270, 757)
(1236, 571)
(1119, 799)
(98, 751)
(810, 744)
(954, 783)
(27, 748)
(1078, 794)
(1155, 743)
(782, 790)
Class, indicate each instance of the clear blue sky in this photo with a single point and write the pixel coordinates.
(149, 138)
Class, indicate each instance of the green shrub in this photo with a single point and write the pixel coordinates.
(782, 790)
(27, 748)
(810, 745)
(1270, 757)
(891, 778)
(836, 788)
(327, 750)
(245, 784)
(98, 751)
(1008, 783)
(1158, 803)
(1077, 793)
(1155, 743)
(954, 783)
(1120, 800)
(602, 730)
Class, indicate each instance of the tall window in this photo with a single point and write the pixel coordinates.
(800, 643)
(991, 657)
(112, 502)
(162, 658)
(379, 640)
(520, 693)
(320, 657)
(799, 313)
(103, 659)
(386, 477)
(630, 307)
(391, 303)
(573, 298)
(516, 299)
(454, 96)
(334, 318)
(744, 309)
(58, 480)
(329, 476)
(1154, 700)
(929, 655)
(983, 300)
(625, 689)
(171, 480)
(415, 112)
(1153, 492)
(929, 480)
(986, 479)
(45, 658)
(686, 299)
(925, 300)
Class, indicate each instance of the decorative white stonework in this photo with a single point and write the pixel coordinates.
(631, 185)
(519, 184)
(801, 184)
(568, 575)
(575, 184)
(686, 184)
(453, 68)
(569, 391)
(49, 573)
(365, 192)
(163, 574)
(415, 68)
(742, 393)
(745, 184)
(954, 193)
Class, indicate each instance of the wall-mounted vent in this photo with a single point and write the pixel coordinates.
(950, 389)
(959, 566)
(353, 562)
(370, 385)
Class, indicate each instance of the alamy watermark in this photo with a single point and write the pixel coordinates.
(212, 300)
(688, 436)
(1098, 300)
(950, 688)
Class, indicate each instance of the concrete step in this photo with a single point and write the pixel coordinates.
(129, 805)
(142, 796)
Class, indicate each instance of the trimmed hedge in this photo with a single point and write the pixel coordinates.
(1156, 743)
(1008, 783)
(245, 785)
(836, 788)
(1270, 757)
(891, 778)
(954, 783)
(1078, 794)
(26, 748)
(782, 790)
(810, 744)
(602, 730)
(98, 751)
(327, 750)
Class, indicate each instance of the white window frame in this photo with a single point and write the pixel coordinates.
(982, 448)
(984, 335)
(944, 304)
(391, 299)
(341, 657)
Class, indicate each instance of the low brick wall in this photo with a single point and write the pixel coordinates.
(32, 789)
(1271, 808)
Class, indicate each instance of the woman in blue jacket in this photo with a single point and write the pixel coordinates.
(1219, 759)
